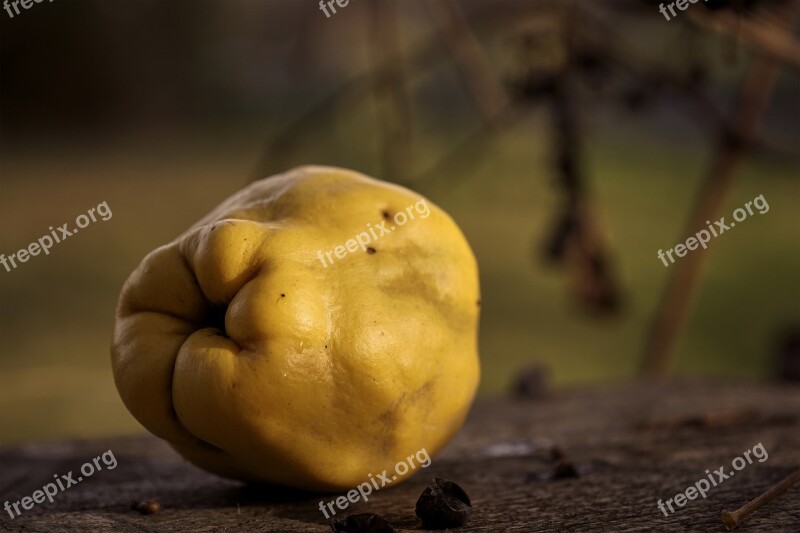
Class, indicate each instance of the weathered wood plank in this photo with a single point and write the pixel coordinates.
(502, 459)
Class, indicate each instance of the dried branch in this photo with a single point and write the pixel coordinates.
(396, 121)
(675, 302)
(457, 33)
(770, 39)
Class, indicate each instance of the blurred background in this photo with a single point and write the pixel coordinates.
(570, 140)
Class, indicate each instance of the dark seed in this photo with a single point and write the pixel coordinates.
(443, 504)
(370, 250)
(557, 454)
(532, 383)
(565, 470)
(146, 507)
(366, 522)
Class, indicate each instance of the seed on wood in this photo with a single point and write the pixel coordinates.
(146, 507)
(557, 454)
(532, 383)
(565, 470)
(366, 522)
(443, 504)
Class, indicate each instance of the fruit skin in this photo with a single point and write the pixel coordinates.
(322, 375)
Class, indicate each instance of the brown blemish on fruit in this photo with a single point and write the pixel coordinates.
(389, 419)
(421, 395)
(386, 214)
(371, 250)
(388, 424)
(412, 281)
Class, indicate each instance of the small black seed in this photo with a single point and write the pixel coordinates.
(443, 504)
(565, 470)
(283, 295)
(366, 522)
(557, 454)
(531, 383)
(385, 214)
(370, 250)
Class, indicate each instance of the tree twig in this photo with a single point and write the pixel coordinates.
(467, 52)
(396, 120)
(770, 39)
(676, 298)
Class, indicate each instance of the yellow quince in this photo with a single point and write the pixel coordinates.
(264, 345)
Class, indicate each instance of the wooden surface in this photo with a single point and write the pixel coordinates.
(632, 444)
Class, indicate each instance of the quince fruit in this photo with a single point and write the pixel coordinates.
(260, 351)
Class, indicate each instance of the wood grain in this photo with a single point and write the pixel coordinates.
(632, 444)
